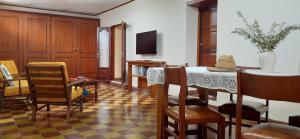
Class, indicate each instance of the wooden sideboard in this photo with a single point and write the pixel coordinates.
(142, 79)
(32, 37)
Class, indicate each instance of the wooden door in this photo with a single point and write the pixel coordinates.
(36, 38)
(207, 43)
(207, 46)
(10, 37)
(104, 52)
(63, 43)
(88, 61)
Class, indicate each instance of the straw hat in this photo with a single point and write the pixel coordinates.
(226, 62)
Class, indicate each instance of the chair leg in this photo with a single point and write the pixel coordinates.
(182, 128)
(221, 130)
(68, 112)
(165, 134)
(81, 104)
(34, 109)
(230, 125)
(204, 131)
(199, 131)
(48, 107)
(1, 101)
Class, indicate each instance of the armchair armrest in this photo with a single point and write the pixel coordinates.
(21, 76)
(75, 83)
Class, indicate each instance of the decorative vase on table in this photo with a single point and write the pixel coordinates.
(267, 61)
(266, 42)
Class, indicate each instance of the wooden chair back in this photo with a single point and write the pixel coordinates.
(47, 81)
(177, 76)
(279, 88)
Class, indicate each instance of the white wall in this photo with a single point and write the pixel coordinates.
(175, 22)
(266, 12)
(168, 17)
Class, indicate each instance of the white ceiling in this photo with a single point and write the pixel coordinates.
(88, 7)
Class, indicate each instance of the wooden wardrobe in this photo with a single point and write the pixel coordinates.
(27, 37)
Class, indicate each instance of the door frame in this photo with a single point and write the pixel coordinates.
(123, 70)
(203, 5)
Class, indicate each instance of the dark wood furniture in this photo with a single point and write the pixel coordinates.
(142, 80)
(86, 82)
(32, 37)
(280, 88)
(183, 114)
(294, 120)
(190, 100)
(49, 86)
(251, 110)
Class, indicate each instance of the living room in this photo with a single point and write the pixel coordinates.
(114, 101)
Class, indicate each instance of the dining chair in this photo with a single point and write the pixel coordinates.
(48, 83)
(252, 110)
(186, 114)
(190, 100)
(279, 88)
(15, 88)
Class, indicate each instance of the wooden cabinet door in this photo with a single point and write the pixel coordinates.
(36, 38)
(10, 37)
(63, 42)
(87, 48)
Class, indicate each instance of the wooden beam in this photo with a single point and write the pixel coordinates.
(202, 3)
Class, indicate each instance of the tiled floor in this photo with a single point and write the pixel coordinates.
(117, 115)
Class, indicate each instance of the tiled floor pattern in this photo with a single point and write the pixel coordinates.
(117, 115)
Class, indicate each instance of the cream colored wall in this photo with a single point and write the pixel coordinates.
(118, 52)
(245, 53)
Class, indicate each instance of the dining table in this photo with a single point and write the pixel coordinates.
(198, 77)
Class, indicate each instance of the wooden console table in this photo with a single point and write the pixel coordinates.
(142, 79)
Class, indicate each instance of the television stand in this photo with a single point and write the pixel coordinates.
(142, 78)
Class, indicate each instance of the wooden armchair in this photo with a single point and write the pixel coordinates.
(48, 83)
(272, 87)
(20, 87)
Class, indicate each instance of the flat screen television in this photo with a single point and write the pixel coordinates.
(146, 42)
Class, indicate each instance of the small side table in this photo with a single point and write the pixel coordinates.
(88, 82)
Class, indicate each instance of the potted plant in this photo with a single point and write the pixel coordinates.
(265, 42)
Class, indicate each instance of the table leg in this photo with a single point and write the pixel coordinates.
(96, 92)
(160, 103)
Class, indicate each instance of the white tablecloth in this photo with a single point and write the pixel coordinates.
(199, 76)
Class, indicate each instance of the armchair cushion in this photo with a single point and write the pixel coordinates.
(76, 92)
(6, 75)
(10, 65)
(14, 90)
